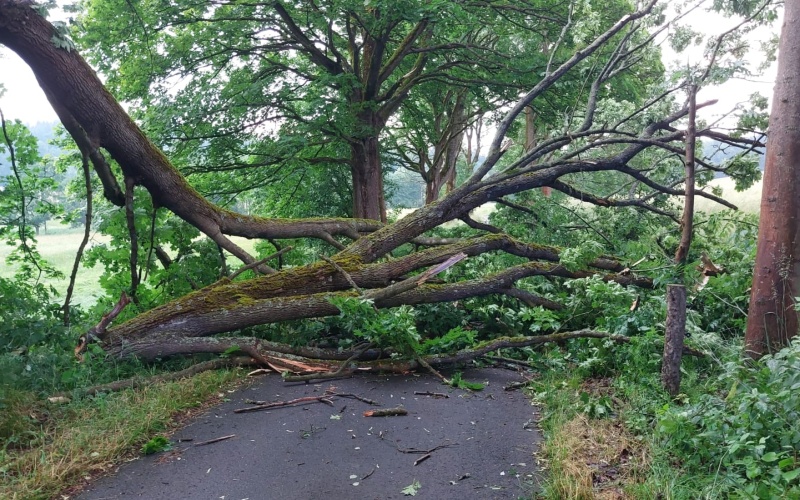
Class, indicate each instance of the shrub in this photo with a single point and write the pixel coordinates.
(750, 434)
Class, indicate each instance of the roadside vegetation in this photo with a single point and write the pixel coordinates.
(264, 223)
(611, 430)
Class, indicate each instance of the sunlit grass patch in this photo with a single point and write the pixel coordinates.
(84, 438)
(58, 247)
(594, 459)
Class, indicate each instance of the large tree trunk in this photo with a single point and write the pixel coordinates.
(367, 172)
(459, 121)
(773, 319)
(445, 154)
(184, 325)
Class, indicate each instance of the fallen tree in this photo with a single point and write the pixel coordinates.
(362, 261)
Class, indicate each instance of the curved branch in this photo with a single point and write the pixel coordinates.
(608, 202)
(76, 89)
(87, 179)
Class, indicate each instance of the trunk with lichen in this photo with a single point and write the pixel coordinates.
(364, 266)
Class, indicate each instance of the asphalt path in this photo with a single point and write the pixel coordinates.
(478, 444)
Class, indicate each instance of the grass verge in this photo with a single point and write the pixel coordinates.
(74, 442)
(600, 430)
(590, 452)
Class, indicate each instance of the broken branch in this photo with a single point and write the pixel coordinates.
(386, 412)
(215, 440)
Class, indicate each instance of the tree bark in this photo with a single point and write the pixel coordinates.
(772, 318)
(367, 173)
(673, 339)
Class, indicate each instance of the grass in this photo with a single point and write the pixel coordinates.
(58, 247)
(82, 439)
(586, 458)
(748, 201)
(610, 454)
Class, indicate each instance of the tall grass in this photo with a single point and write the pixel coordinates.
(85, 437)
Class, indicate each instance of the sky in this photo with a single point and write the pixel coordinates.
(25, 100)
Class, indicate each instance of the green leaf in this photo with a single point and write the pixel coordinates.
(458, 381)
(791, 475)
(412, 489)
(156, 445)
(230, 350)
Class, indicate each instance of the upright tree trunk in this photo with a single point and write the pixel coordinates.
(367, 172)
(445, 156)
(673, 339)
(432, 188)
(772, 319)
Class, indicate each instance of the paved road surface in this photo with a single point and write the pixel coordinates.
(317, 451)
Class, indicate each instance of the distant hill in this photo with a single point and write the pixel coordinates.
(718, 153)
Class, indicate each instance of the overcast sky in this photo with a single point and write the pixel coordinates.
(26, 101)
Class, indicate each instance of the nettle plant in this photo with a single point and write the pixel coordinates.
(749, 432)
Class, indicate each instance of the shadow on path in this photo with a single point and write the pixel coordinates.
(486, 439)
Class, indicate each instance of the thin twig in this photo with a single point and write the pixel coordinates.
(344, 273)
(425, 452)
(259, 262)
(215, 440)
(421, 459)
(22, 236)
(429, 393)
(501, 359)
(433, 370)
(353, 396)
(282, 404)
(130, 220)
(86, 232)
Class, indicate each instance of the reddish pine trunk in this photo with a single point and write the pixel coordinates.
(772, 319)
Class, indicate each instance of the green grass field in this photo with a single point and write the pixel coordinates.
(748, 200)
(59, 246)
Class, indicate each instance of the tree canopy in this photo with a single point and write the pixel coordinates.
(248, 96)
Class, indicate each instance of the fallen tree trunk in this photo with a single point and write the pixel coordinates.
(189, 324)
(364, 361)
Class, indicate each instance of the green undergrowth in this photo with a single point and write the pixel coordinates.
(612, 432)
(48, 448)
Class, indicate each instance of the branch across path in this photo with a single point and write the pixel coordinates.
(479, 445)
